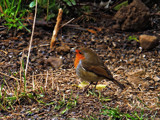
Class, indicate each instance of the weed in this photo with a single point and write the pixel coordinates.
(102, 98)
(133, 38)
(67, 104)
(91, 117)
(93, 93)
(12, 14)
(53, 6)
(114, 113)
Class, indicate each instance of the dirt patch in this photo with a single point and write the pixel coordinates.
(135, 16)
(55, 89)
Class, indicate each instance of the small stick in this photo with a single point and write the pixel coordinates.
(10, 76)
(56, 28)
(67, 23)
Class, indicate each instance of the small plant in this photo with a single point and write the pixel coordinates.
(70, 2)
(92, 93)
(68, 104)
(133, 38)
(60, 103)
(53, 6)
(114, 113)
(11, 96)
(12, 14)
(104, 99)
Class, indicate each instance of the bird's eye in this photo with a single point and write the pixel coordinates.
(80, 52)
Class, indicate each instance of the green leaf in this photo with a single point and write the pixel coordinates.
(83, 84)
(129, 116)
(11, 98)
(32, 4)
(68, 2)
(30, 95)
(100, 86)
(50, 16)
(73, 2)
(125, 3)
(40, 96)
(65, 110)
(51, 103)
(133, 38)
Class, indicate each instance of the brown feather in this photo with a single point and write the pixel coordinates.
(98, 70)
(92, 63)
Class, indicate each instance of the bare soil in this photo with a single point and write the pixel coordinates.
(138, 70)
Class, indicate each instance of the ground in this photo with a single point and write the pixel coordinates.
(55, 92)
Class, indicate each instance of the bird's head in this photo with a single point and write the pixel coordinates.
(85, 53)
(79, 56)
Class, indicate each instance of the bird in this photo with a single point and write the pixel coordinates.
(89, 67)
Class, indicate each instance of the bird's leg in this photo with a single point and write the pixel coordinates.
(87, 87)
(95, 85)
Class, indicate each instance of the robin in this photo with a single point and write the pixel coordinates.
(89, 67)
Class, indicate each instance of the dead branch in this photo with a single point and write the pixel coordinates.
(56, 28)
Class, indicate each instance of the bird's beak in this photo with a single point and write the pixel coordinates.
(73, 49)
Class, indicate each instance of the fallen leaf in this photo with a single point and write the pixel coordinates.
(83, 84)
(100, 86)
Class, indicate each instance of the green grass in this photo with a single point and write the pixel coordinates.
(12, 13)
(67, 104)
(115, 113)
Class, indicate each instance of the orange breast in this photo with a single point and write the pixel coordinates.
(78, 58)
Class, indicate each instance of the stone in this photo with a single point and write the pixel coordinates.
(134, 17)
(64, 48)
(148, 42)
(148, 3)
(54, 62)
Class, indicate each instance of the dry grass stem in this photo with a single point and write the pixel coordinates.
(67, 23)
(30, 44)
(33, 84)
(52, 80)
(21, 71)
(10, 76)
(7, 86)
(46, 81)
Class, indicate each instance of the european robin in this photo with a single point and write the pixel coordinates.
(89, 67)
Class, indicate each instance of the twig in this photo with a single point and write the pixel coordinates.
(56, 28)
(30, 44)
(67, 23)
(10, 76)
(46, 81)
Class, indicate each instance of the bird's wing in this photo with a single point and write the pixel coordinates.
(98, 69)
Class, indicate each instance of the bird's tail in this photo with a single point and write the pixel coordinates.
(118, 83)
